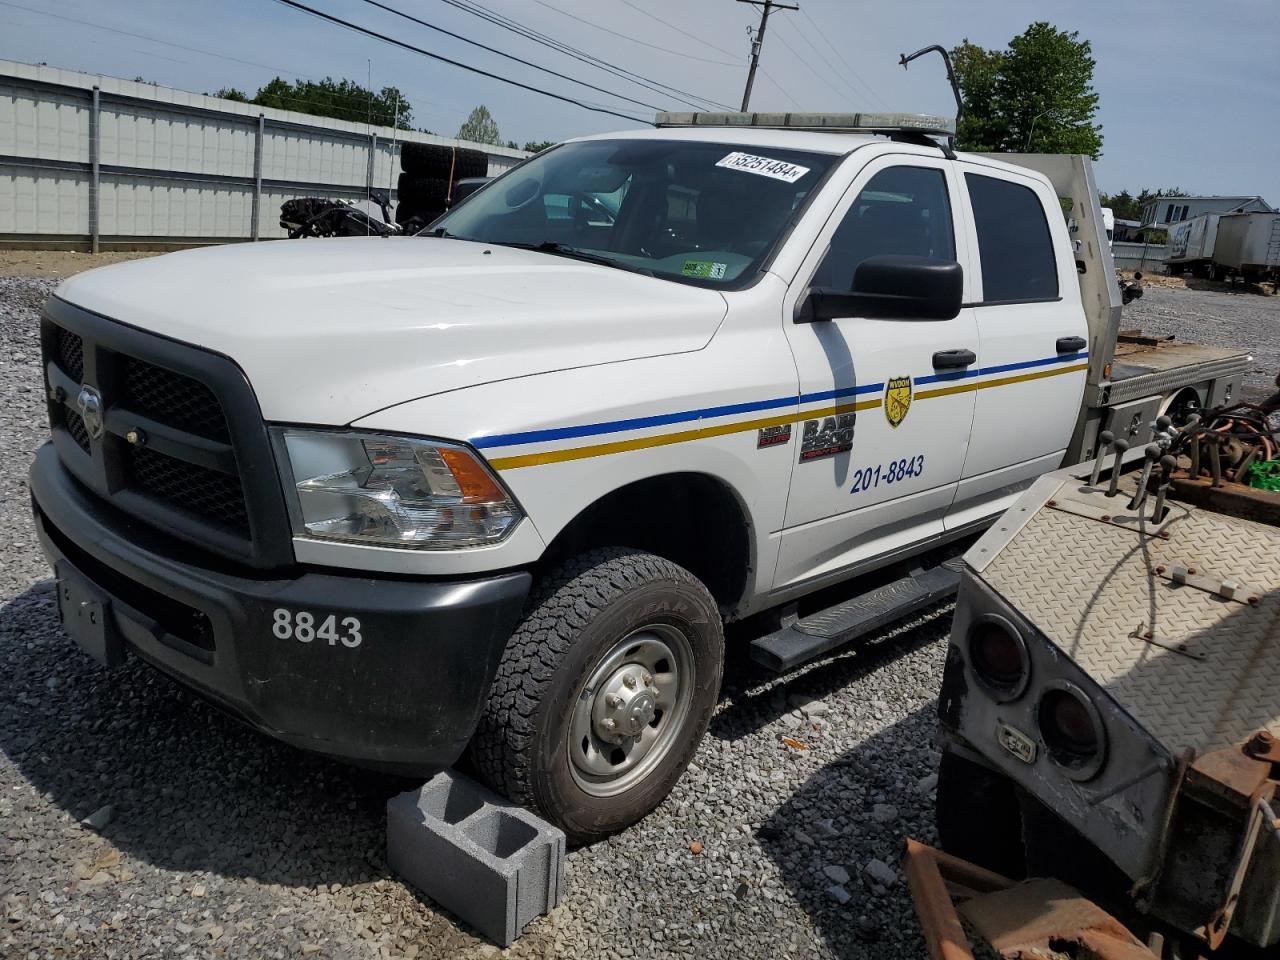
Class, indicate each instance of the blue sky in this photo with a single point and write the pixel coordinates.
(1190, 90)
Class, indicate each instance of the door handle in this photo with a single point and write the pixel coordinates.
(953, 359)
(1070, 344)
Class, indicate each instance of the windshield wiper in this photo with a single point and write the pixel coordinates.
(565, 250)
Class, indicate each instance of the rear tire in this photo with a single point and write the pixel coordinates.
(438, 160)
(594, 629)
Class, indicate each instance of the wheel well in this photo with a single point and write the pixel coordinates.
(689, 518)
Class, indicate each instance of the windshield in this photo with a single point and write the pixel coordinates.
(708, 214)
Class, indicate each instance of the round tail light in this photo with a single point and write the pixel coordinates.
(998, 655)
(1072, 730)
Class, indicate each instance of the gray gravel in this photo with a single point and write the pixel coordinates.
(135, 821)
(1218, 318)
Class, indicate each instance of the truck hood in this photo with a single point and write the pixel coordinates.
(328, 331)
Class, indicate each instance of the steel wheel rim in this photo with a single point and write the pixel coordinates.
(604, 767)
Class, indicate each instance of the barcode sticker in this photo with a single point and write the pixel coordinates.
(764, 166)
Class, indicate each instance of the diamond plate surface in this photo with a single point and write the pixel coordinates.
(1087, 585)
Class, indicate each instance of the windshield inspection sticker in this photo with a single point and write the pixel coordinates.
(704, 269)
(764, 166)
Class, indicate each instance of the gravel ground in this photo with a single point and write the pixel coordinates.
(218, 842)
(1217, 317)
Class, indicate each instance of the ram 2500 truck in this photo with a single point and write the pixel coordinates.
(499, 486)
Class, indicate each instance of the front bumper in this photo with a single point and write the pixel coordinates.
(406, 696)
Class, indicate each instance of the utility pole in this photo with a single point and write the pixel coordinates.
(767, 7)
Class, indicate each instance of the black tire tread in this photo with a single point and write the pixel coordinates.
(560, 606)
(437, 160)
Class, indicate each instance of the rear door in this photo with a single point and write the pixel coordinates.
(1033, 338)
(883, 439)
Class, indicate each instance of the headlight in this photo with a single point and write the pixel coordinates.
(394, 491)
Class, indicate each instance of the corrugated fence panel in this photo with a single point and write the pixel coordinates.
(174, 165)
(314, 157)
(44, 124)
(1139, 256)
(34, 200)
(134, 135)
(162, 207)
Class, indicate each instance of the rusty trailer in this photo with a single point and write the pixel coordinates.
(1113, 684)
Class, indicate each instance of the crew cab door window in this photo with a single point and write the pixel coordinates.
(1014, 245)
(903, 210)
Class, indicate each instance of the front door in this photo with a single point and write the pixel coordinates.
(882, 451)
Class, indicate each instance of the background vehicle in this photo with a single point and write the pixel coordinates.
(1226, 245)
(502, 486)
(1109, 705)
(1249, 245)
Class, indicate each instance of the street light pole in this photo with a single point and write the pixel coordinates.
(767, 7)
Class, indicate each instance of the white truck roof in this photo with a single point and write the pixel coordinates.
(832, 143)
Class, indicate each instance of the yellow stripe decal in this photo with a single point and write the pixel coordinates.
(726, 429)
(999, 382)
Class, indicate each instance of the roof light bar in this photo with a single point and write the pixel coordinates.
(826, 122)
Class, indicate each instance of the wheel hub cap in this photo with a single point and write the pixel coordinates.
(626, 704)
(631, 709)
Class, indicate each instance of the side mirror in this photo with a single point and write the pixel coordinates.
(891, 288)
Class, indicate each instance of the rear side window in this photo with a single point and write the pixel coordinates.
(1014, 244)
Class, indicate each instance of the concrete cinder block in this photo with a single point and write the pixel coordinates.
(492, 863)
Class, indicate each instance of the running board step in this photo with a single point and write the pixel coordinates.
(828, 629)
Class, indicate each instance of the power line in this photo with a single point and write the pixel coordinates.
(142, 36)
(757, 41)
(651, 46)
(520, 30)
(347, 24)
(808, 66)
(781, 89)
(509, 56)
(420, 100)
(839, 56)
(848, 87)
(672, 26)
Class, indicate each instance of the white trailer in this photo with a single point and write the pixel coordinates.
(1191, 244)
(1248, 246)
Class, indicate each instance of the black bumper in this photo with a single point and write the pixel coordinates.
(406, 696)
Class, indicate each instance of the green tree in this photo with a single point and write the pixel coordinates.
(1036, 96)
(981, 128)
(231, 93)
(537, 146)
(480, 127)
(340, 99)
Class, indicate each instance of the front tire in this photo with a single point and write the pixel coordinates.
(604, 692)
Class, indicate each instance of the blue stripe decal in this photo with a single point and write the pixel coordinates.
(635, 423)
(1002, 368)
(686, 416)
(840, 394)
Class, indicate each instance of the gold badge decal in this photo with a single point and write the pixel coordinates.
(897, 400)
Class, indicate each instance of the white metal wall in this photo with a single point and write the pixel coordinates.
(172, 166)
(1139, 256)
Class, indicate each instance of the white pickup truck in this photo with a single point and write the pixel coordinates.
(500, 485)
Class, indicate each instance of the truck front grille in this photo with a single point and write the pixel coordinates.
(174, 399)
(213, 496)
(180, 442)
(75, 426)
(70, 353)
